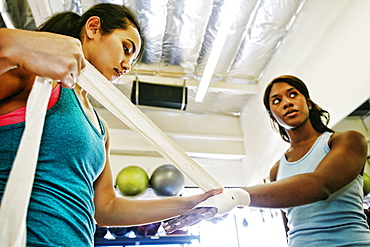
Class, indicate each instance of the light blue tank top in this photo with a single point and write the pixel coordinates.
(72, 155)
(337, 221)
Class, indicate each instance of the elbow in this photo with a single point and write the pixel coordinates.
(321, 189)
(100, 221)
(323, 194)
(318, 192)
(102, 217)
(104, 210)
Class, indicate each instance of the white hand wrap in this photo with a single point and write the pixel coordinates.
(227, 200)
(118, 104)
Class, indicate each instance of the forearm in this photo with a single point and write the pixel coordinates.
(8, 55)
(126, 212)
(48, 55)
(294, 191)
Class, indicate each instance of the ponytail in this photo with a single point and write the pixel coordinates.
(65, 23)
(112, 17)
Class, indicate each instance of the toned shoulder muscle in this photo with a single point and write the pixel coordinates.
(351, 139)
(345, 160)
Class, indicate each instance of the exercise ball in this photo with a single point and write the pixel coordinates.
(132, 181)
(366, 186)
(167, 180)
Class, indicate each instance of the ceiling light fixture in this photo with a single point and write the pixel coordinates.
(223, 31)
(5, 16)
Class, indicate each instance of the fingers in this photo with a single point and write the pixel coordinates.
(228, 200)
(209, 213)
(82, 64)
(210, 193)
(80, 59)
(68, 78)
(69, 81)
(216, 191)
(49, 55)
(195, 215)
(191, 218)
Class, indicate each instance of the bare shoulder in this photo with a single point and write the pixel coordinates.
(347, 137)
(273, 171)
(349, 141)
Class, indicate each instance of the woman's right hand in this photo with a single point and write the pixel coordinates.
(191, 218)
(44, 54)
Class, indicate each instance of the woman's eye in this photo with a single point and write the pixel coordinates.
(293, 94)
(127, 51)
(275, 101)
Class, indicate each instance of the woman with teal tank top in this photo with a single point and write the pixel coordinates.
(73, 185)
(318, 181)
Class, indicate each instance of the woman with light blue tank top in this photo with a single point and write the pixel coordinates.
(336, 221)
(318, 182)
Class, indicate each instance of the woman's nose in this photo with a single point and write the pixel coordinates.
(126, 67)
(287, 102)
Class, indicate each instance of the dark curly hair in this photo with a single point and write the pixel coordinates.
(318, 116)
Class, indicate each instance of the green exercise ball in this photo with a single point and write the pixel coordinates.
(132, 181)
(167, 180)
(366, 184)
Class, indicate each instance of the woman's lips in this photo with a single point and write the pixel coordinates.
(290, 113)
(118, 72)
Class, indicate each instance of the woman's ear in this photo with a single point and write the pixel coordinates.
(309, 104)
(92, 27)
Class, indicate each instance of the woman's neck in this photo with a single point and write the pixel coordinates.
(303, 134)
(82, 96)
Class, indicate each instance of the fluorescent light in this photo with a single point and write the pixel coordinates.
(223, 31)
(5, 16)
(7, 20)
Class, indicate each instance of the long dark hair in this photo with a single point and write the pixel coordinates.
(112, 16)
(318, 116)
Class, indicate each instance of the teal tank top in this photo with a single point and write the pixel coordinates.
(337, 221)
(72, 155)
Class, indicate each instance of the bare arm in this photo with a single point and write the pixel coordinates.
(44, 54)
(112, 210)
(340, 166)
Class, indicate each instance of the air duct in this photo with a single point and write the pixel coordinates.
(166, 96)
